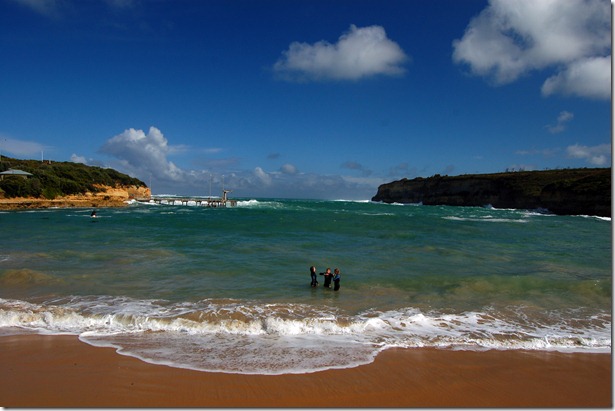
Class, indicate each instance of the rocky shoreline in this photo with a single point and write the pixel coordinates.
(564, 192)
(107, 197)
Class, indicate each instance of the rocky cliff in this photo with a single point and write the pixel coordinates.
(43, 184)
(568, 192)
(105, 196)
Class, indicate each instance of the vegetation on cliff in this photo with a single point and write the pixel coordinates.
(58, 179)
(566, 191)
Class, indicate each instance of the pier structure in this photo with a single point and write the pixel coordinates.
(199, 201)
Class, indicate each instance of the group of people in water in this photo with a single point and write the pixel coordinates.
(335, 277)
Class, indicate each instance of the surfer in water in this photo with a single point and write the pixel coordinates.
(313, 275)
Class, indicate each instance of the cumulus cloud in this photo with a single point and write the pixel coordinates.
(262, 176)
(563, 118)
(589, 78)
(599, 155)
(288, 169)
(78, 159)
(143, 154)
(509, 39)
(358, 53)
(277, 184)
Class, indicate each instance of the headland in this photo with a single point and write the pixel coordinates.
(581, 191)
(30, 184)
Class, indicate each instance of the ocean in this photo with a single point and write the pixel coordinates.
(228, 289)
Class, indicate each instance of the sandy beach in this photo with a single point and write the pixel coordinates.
(61, 371)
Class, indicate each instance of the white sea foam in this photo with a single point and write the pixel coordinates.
(262, 204)
(488, 219)
(248, 203)
(352, 201)
(596, 217)
(239, 337)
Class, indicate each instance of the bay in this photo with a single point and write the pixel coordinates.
(228, 289)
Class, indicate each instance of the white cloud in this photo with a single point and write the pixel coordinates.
(509, 39)
(262, 176)
(563, 118)
(261, 183)
(143, 154)
(78, 159)
(597, 155)
(288, 169)
(589, 77)
(358, 53)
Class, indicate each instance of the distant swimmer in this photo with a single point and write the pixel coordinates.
(328, 277)
(93, 215)
(313, 275)
(336, 279)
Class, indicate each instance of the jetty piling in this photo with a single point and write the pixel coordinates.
(199, 201)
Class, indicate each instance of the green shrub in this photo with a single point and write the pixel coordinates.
(59, 179)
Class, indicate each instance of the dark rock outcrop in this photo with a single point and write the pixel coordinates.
(567, 192)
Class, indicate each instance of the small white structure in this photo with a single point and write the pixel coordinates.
(14, 172)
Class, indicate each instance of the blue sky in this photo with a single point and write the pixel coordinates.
(322, 99)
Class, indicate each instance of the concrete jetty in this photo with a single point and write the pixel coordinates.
(215, 202)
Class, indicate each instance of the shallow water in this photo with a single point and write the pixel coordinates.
(227, 289)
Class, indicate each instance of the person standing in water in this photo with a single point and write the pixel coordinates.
(336, 279)
(313, 275)
(328, 278)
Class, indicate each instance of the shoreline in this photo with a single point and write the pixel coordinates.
(61, 371)
(17, 204)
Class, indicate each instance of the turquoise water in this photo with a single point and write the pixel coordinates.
(228, 289)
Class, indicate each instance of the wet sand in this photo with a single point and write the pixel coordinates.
(60, 371)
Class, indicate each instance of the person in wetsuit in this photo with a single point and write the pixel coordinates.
(313, 275)
(328, 278)
(336, 279)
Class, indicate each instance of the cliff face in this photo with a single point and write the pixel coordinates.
(65, 184)
(569, 192)
(107, 197)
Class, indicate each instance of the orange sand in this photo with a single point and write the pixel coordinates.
(60, 371)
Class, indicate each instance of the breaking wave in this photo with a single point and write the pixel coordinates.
(236, 336)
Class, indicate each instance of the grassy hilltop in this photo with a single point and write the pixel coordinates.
(567, 191)
(52, 179)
